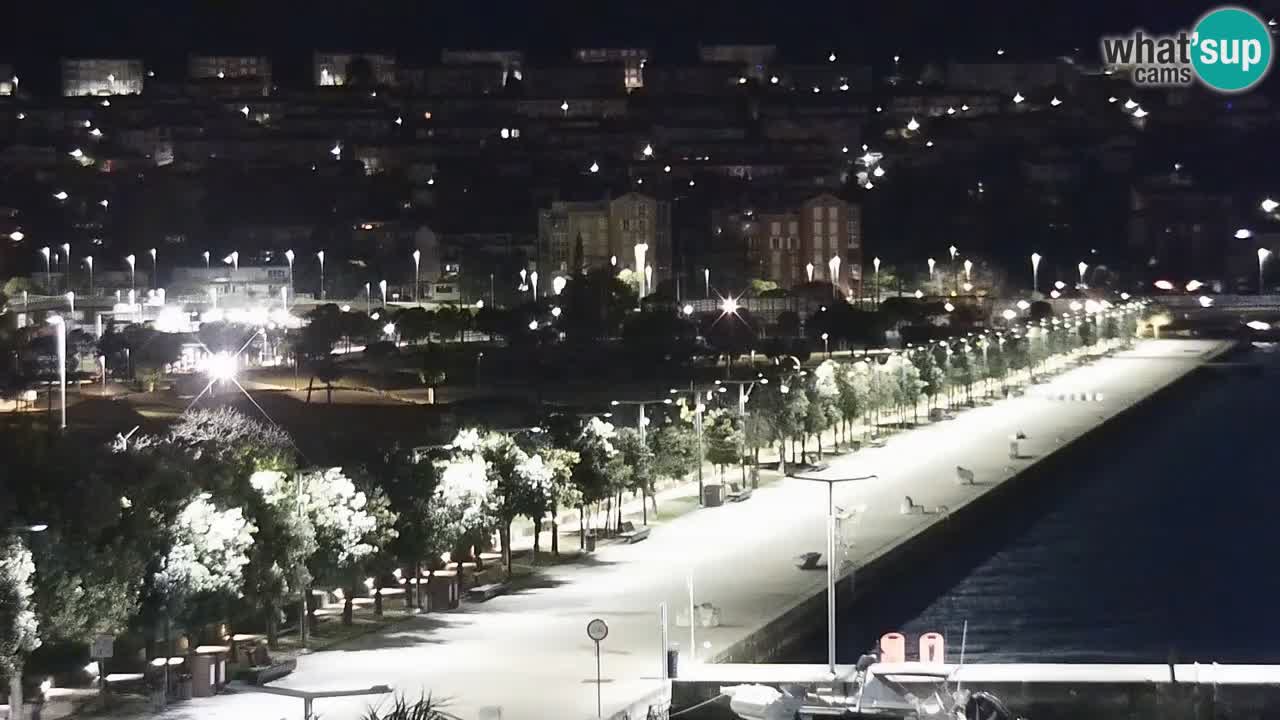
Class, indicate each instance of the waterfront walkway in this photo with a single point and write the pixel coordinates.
(527, 655)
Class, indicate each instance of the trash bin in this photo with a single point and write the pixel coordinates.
(204, 680)
(443, 592)
(591, 540)
(712, 495)
(1014, 447)
(673, 662)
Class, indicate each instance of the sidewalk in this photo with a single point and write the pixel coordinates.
(527, 655)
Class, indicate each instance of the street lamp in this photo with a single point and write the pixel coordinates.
(288, 255)
(968, 271)
(533, 284)
(61, 325)
(808, 268)
(1263, 254)
(875, 262)
(132, 271)
(1082, 267)
(368, 300)
(88, 260)
(382, 287)
(66, 258)
(1035, 273)
(320, 255)
(417, 260)
(834, 266)
(233, 260)
(206, 260)
(831, 559)
(639, 251)
(48, 272)
(1243, 234)
(932, 263)
(155, 272)
(826, 347)
(706, 281)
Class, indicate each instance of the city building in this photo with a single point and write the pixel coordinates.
(754, 59)
(509, 62)
(609, 232)
(1006, 78)
(334, 68)
(632, 60)
(783, 242)
(230, 67)
(101, 76)
(8, 81)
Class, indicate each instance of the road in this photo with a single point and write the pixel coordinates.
(528, 654)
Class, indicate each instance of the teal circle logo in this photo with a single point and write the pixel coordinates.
(1231, 49)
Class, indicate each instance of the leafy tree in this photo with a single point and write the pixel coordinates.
(674, 448)
(426, 527)
(327, 371)
(414, 324)
(595, 305)
(730, 334)
(19, 627)
(657, 338)
(722, 438)
(851, 399)
(516, 482)
(638, 466)
(596, 476)
(543, 499)
(352, 525)
(783, 406)
(464, 491)
(930, 376)
(452, 321)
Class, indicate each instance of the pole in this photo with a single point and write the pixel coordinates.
(831, 579)
(697, 426)
(599, 704)
(62, 370)
(742, 432)
(662, 638)
(693, 647)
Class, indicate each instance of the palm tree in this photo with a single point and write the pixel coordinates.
(425, 707)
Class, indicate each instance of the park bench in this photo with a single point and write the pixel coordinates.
(480, 593)
(964, 475)
(632, 535)
(738, 493)
(263, 674)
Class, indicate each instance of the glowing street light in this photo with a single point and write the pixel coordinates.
(1263, 254)
(595, 167)
(1009, 314)
(533, 283)
(48, 272)
(647, 151)
(1082, 267)
(558, 284)
(687, 310)
(58, 322)
(417, 260)
(132, 271)
(875, 263)
(1130, 104)
(808, 268)
(968, 271)
(1206, 301)
(382, 288)
(1166, 285)
(1258, 325)
(912, 125)
(1194, 285)
(1017, 98)
(706, 281)
(1023, 305)
(205, 254)
(834, 266)
(61, 195)
(233, 260)
(155, 272)
(88, 261)
(919, 294)
(288, 255)
(1243, 234)
(729, 306)
(320, 256)
(17, 236)
(1058, 284)
(1268, 205)
(932, 263)
(948, 306)
(1140, 113)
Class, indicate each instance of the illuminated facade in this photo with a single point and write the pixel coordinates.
(101, 76)
(332, 69)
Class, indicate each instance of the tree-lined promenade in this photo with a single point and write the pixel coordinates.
(215, 523)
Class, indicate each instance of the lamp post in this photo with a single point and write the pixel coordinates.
(88, 260)
(640, 250)
(1263, 254)
(744, 393)
(834, 266)
(1035, 273)
(697, 429)
(932, 263)
(368, 300)
(1082, 267)
(706, 281)
(417, 260)
(155, 271)
(61, 325)
(953, 252)
(133, 285)
(875, 262)
(320, 255)
(533, 284)
(968, 271)
(831, 559)
(382, 287)
(826, 347)
(288, 255)
(206, 260)
(808, 269)
(66, 258)
(48, 271)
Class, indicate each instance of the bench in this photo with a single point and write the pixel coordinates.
(263, 674)
(480, 593)
(634, 536)
(964, 476)
(126, 682)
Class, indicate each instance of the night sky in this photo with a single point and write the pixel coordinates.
(164, 31)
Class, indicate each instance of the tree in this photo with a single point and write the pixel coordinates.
(595, 477)
(851, 396)
(543, 499)
(463, 490)
(414, 324)
(327, 371)
(518, 484)
(722, 439)
(203, 568)
(729, 334)
(656, 338)
(638, 466)
(452, 321)
(19, 627)
(351, 523)
(595, 304)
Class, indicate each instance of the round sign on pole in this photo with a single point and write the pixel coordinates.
(597, 630)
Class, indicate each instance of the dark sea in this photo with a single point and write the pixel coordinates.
(1163, 545)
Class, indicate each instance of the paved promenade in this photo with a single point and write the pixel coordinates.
(528, 653)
